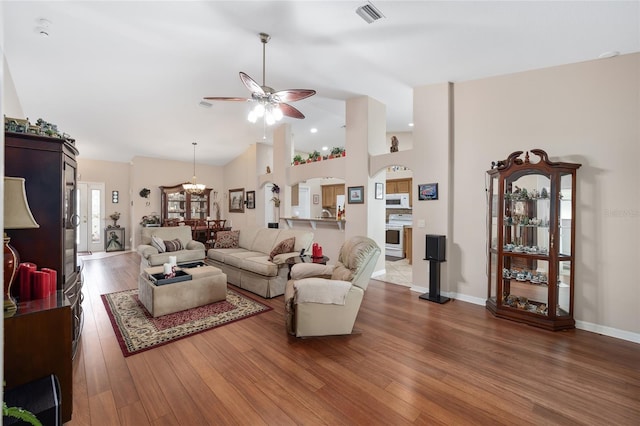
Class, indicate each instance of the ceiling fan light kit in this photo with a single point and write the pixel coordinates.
(270, 105)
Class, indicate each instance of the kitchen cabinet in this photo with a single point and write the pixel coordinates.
(400, 186)
(329, 195)
(295, 194)
(408, 248)
(531, 240)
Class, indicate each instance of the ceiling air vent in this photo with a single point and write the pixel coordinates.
(369, 13)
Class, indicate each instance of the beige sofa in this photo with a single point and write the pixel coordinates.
(248, 266)
(193, 251)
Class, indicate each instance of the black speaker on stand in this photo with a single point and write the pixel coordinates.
(435, 253)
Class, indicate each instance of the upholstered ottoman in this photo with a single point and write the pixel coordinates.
(208, 284)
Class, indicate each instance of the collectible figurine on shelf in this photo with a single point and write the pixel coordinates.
(394, 144)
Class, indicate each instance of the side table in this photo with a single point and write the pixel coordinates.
(114, 239)
(305, 259)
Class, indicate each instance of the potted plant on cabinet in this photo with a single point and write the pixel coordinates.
(297, 159)
(337, 152)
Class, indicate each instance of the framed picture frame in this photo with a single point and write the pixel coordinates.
(316, 198)
(428, 191)
(355, 195)
(236, 200)
(379, 191)
(251, 199)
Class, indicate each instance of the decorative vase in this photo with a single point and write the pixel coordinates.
(276, 214)
(11, 261)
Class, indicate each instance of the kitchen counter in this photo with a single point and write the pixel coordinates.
(314, 222)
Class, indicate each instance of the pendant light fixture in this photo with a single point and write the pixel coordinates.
(194, 187)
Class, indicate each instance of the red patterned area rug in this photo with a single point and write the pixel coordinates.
(137, 331)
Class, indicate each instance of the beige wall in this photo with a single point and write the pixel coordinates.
(115, 176)
(143, 172)
(241, 173)
(152, 173)
(586, 113)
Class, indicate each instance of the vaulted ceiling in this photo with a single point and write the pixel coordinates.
(127, 78)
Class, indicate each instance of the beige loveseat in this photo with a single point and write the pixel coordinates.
(193, 251)
(248, 266)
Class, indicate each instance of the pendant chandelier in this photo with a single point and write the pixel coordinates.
(194, 187)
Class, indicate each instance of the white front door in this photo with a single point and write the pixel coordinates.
(91, 210)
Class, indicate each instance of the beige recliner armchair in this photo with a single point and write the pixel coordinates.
(323, 300)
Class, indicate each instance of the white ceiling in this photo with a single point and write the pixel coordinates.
(126, 78)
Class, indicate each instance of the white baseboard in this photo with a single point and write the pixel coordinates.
(378, 273)
(608, 331)
(580, 325)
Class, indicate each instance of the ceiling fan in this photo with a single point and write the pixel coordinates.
(270, 104)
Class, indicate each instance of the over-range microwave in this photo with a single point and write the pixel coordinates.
(397, 201)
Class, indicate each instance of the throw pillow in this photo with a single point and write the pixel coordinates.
(173, 245)
(227, 239)
(158, 243)
(284, 246)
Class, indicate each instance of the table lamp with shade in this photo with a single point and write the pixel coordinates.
(17, 215)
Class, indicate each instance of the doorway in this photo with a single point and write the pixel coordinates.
(91, 210)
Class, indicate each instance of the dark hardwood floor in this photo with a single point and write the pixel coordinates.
(408, 362)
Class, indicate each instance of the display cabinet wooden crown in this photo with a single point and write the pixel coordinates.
(531, 240)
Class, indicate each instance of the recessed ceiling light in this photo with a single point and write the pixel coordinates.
(314, 130)
(410, 124)
(324, 148)
(610, 54)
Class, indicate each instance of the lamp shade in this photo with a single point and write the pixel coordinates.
(17, 214)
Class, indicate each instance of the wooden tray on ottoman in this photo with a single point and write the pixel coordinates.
(208, 284)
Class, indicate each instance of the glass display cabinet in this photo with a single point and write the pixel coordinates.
(531, 240)
(176, 203)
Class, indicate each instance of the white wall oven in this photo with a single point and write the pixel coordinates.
(394, 234)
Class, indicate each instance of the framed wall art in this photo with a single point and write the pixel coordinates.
(356, 194)
(251, 199)
(236, 200)
(379, 191)
(428, 191)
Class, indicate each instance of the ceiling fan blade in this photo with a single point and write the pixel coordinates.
(290, 111)
(293, 95)
(224, 98)
(251, 84)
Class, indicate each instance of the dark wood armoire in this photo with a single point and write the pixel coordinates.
(49, 167)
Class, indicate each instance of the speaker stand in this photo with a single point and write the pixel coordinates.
(434, 284)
